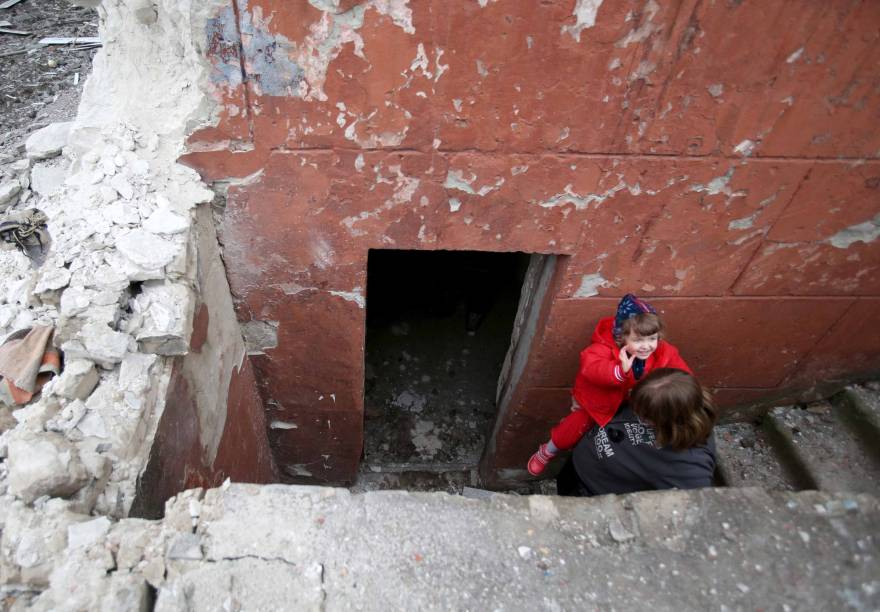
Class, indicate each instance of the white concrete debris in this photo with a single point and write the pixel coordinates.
(117, 282)
(165, 221)
(9, 194)
(99, 343)
(145, 250)
(86, 533)
(33, 539)
(48, 141)
(47, 179)
(44, 464)
(165, 314)
(78, 379)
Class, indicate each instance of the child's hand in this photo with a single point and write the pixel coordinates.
(626, 361)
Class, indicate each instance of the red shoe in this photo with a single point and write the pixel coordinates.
(539, 460)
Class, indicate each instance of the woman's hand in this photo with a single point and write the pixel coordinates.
(626, 361)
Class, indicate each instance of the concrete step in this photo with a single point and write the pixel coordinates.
(452, 479)
(285, 547)
(818, 451)
(859, 409)
(746, 458)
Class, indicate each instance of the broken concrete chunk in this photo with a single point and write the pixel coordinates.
(78, 379)
(52, 279)
(167, 324)
(134, 373)
(48, 141)
(122, 186)
(36, 414)
(75, 300)
(164, 221)
(69, 417)
(146, 250)
(46, 179)
(33, 539)
(81, 535)
(101, 344)
(122, 213)
(186, 546)
(92, 425)
(44, 464)
(127, 592)
(144, 11)
(9, 194)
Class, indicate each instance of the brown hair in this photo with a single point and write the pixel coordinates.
(643, 324)
(680, 410)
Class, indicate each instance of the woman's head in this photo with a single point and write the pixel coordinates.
(674, 403)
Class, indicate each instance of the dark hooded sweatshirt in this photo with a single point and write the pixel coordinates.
(622, 458)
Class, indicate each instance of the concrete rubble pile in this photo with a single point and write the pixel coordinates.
(117, 284)
(116, 280)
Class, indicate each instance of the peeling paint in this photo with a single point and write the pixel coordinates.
(581, 201)
(454, 205)
(322, 254)
(423, 64)
(356, 296)
(865, 232)
(716, 185)
(455, 179)
(747, 222)
(715, 89)
(745, 148)
(280, 67)
(294, 288)
(283, 425)
(645, 29)
(590, 284)
(222, 39)
(298, 469)
(585, 15)
(404, 189)
(794, 56)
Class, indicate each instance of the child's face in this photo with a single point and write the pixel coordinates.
(641, 346)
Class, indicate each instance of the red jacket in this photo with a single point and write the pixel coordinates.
(600, 385)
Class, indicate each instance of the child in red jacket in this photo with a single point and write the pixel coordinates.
(623, 348)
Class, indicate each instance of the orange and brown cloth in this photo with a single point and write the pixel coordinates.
(27, 362)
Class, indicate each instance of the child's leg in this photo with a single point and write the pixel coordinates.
(571, 429)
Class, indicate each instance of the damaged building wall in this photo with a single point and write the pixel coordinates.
(156, 388)
(719, 159)
(213, 426)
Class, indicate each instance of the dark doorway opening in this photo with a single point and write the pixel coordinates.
(439, 328)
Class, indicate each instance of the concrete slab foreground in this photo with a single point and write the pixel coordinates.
(292, 547)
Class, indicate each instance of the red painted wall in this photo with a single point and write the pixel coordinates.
(177, 459)
(718, 158)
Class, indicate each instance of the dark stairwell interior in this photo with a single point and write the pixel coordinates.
(439, 326)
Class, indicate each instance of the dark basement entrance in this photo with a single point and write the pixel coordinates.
(439, 326)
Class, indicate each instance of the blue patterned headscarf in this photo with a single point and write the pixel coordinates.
(629, 307)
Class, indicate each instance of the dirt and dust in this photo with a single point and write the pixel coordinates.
(40, 84)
